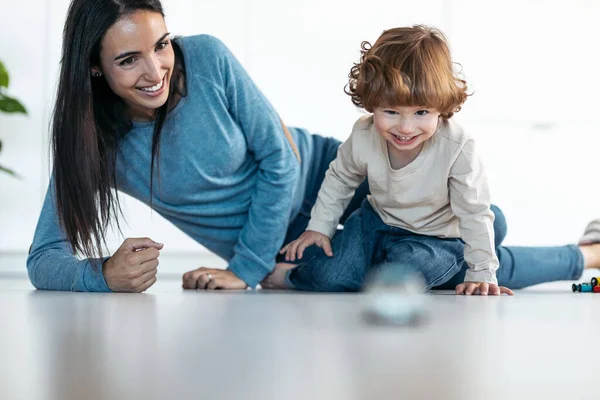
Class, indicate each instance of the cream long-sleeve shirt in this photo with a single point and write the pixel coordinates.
(443, 192)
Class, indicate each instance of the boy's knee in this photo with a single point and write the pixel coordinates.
(500, 227)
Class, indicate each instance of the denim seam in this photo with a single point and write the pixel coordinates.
(287, 278)
(436, 282)
(580, 261)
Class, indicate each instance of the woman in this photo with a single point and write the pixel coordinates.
(179, 125)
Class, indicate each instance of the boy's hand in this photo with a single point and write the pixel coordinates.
(482, 288)
(308, 238)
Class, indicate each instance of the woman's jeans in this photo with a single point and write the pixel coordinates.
(366, 242)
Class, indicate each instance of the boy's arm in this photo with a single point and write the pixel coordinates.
(470, 202)
(344, 175)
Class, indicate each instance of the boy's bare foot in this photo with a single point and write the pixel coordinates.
(276, 279)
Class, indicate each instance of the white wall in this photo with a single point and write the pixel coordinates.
(532, 64)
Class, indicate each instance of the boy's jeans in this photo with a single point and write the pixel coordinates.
(366, 242)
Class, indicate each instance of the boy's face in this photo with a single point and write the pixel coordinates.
(405, 128)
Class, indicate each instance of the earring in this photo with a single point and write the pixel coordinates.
(97, 74)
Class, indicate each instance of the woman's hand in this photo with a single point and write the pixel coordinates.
(212, 278)
(308, 238)
(483, 289)
(133, 266)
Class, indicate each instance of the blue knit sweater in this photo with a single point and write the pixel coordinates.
(228, 176)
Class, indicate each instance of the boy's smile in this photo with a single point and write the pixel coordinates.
(405, 129)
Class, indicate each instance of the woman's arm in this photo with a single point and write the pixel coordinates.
(52, 265)
(278, 168)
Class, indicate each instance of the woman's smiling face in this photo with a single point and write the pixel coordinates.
(137, 59)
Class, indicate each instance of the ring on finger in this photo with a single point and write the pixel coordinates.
(209, 276)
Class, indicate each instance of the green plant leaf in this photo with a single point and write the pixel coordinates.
(3, 76)
(10, 105)
(9, 171)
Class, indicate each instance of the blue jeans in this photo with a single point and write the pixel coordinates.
(366, 242)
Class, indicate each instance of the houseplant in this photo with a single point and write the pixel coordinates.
(7, 105)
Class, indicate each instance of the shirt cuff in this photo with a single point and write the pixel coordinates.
(91, 277)
(322, 228)
(250, 272)
(486, 275)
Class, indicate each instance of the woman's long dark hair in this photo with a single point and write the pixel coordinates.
(88, 120)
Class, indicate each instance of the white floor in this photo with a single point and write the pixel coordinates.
(175, 344)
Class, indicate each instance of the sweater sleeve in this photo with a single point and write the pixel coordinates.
(51, 263)
(470, 202)
(344, 175)
(278, 169)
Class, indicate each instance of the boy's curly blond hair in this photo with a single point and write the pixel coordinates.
(409, 66)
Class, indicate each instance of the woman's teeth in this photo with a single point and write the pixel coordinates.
(153, 88)
(405, 138)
